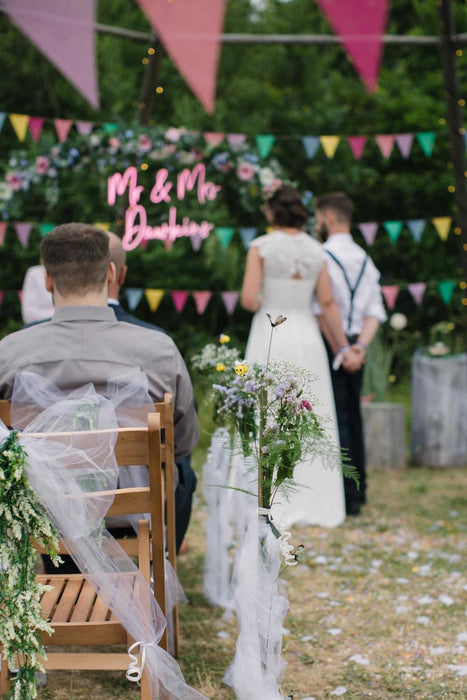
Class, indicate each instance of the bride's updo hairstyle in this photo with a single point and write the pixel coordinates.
(286, 207)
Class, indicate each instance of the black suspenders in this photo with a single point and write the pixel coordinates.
(353, 289)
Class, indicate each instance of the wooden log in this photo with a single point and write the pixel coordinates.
(439, 410)
(384, 433)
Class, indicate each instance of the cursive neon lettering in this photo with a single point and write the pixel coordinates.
(161, 188)
(187, 179)
(117, 184)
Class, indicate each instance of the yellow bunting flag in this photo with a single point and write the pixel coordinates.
(20, 122)
(329, 144)
(153, 297)
(105, 226)
(442, 224)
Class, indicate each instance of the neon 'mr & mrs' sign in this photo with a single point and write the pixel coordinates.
(137, 229)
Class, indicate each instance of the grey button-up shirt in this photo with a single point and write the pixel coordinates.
(86, 344)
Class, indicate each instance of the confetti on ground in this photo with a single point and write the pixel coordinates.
(359, 659)
(340, 690)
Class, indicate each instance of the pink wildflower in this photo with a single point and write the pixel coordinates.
(14, 181)
(245, 171)
(305, 404)
(42, 165)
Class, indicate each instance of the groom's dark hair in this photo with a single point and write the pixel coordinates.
(339, 203)
(77, 258)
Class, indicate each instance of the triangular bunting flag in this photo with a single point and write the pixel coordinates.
(464, 136)
(235, 141)
(390, 293)
(35, 127)
(442, 224)
(329, 144)
(426, 139)
(3, 228)
(2, 119)
(385, 143)
(62, 127)
(110, 127)
(404, 144)
(44, 229)
(224, 234)
(360, 25)
(196, 241)
(84, 128)
(153, 297)
(213, 138)
(104, 225)
(247, 233)
(393, 229)
(230, 301)
(179, 298)
(446, 289)
(20, 294)
(133, 297)
(22, 231)
(311, 145)
(369, 231)
(19, 122)
(357, 144)
(417, 290)
(64, 32)
(201, 300)
(1, 298)
(190, 32)
(264, 142)
(416, 228)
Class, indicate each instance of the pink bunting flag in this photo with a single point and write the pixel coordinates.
(417, 290)
(3, 228)
(201, 300)
(357, 144)
(360, 25)
(385, 143)
(190, 32)
(179, 298)
(404, 143)
(35, 127)
(369, 231)
(196, 241)
(390, 293)
(1, 298)
(230, 301)
(62, 127)
(213, 138)
(236, 140)
(63, 30)
(84, 128)
(20, 294)
(23, 230)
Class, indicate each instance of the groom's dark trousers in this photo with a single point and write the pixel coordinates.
(347, 388)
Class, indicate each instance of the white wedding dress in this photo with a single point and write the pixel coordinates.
(291, 267)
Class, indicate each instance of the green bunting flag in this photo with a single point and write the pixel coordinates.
(426, 139)
(224, 234)
(44, 229)
(393, 229)
(2, 119)
(110, 127)
(446, 289)
(264, 143)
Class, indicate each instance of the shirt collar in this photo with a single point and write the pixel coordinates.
(113, 302)
(338, 237)
(83, 313)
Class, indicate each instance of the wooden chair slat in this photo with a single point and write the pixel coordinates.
(50, 598)
(65, 606)
(84, 604)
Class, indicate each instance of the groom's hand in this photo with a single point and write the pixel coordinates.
(353, 359)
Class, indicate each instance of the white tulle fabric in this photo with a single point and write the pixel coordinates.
(66, 475)
(261, 605)
(217, 561)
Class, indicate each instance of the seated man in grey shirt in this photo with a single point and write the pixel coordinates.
(84, 343)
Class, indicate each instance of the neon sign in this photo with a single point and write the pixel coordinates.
(137, 230)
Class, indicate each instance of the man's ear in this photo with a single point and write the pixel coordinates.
(111, 274)
(122, 276)
(49, 285)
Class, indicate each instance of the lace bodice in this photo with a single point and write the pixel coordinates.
(287, 256)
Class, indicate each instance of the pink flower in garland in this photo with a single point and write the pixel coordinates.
(173, 134)
(245, 172)
(42, 165)
(305, 404)
(14, 181)
(144, 143)
(114, 143)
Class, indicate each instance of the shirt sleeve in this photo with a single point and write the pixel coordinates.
(375, 308)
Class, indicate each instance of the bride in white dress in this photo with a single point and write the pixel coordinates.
(284, 270)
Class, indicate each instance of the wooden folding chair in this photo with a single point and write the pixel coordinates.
(77, 615)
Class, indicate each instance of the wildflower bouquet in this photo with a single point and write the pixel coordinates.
(22, 520)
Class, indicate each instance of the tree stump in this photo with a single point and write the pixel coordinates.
(384, 432)
(439, 410)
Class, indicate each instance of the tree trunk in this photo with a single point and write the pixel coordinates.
(439, 410)
(384, 432)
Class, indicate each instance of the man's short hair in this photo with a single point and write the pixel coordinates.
(77, 258)
(339, 203)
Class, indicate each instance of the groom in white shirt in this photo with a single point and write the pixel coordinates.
(356, 289)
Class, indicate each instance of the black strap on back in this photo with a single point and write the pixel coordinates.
(353, 289)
